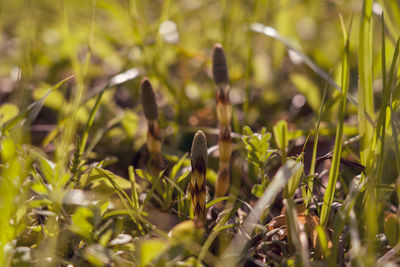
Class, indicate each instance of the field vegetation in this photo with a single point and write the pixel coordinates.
(199, 133)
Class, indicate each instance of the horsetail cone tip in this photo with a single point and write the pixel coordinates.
(148, 100)
(197, 182)
(199, 152)
(219, 66)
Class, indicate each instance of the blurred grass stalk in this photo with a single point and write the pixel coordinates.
(224, 114)
(65, 143)
(80, 73)
(376, 156)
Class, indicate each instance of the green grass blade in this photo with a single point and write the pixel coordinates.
(271, 32)
(32, 110)
(116, 80)
(134, 194)
(323, 241)
(377, 154)
(334, 170)
(89, 124)
(395, 135)
(126, 201)
(214, 233)
(215, 201)
(383, 53)
(310, 185)
(155, 181)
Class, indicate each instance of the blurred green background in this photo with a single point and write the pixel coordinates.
(43, 42)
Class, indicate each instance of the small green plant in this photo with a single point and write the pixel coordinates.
(258, 153)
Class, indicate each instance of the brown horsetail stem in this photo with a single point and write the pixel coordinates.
(198, 181)
(224, 114)
(150, 109)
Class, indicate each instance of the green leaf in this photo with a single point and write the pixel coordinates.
(257, 190)
(186, 232)
(96, 178)
(183, 177)
(145, 175)
(215, 201)
(178, 166)
(8, 149)
(294, 181)
(392, 229)
(150, 249)
(103, 205)
(323, 241)
(105, 238)
(47, 168)
(134, 193)
(39, 188)
(7, 111)
(54, 101)
(81, 223)
(116, 213)
(281, 137)
(96, 255)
